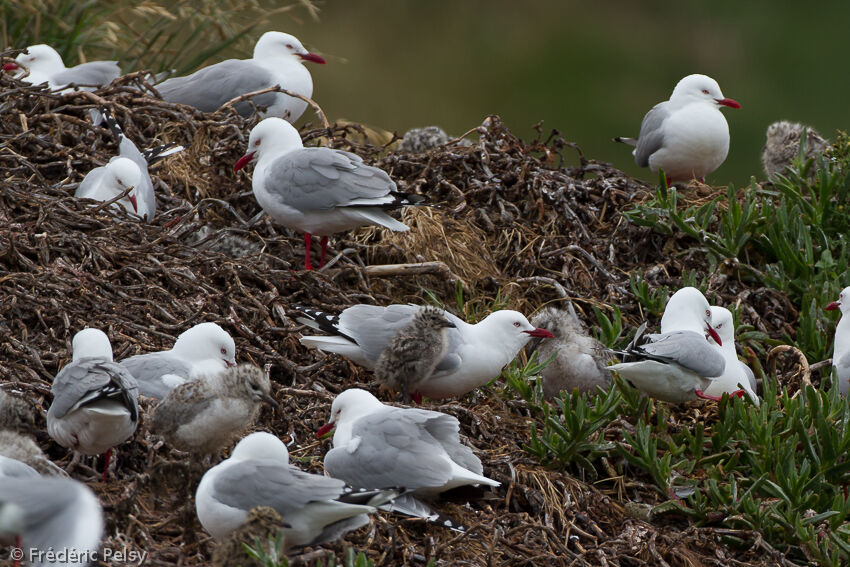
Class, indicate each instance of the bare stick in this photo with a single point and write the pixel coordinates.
(278, 89)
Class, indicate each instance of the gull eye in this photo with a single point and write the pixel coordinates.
(257, 143)
(516, 324)
(223, 351)
(704, 91)
(289, 46)
(254, 387)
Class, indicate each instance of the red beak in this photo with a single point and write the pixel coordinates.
(323, 430)
(713, 334)
(312, 57)
(243, 161)
(133, 202)
(10, 67)
(728, 102)
(832, 306)
(229, 364)
(541, 333)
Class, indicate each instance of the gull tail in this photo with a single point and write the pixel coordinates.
(369, 497)
(407, 505)
(628, 141)
(319, 320)
(157, 153)
(112, 124)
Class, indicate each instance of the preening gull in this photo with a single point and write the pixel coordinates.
(686, 136)
(45, 65)
(735, 372)
(106, 182)
(317, 190)
(475, 353)
(841, 353)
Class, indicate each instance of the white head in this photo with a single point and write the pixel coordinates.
(206, 341)
(346, 408)
(511, 330)
(700, 88)
(42, 60)
(260, 445)
(723, 322)
(688, 310)
(843, 302)
(91, 343)
(278, 44)
(124, 173)
(271, 137)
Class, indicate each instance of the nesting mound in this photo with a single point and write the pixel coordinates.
(510, 219)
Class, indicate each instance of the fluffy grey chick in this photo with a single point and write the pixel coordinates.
(412, 355)
(233, 245)
(204, 416)
(782, 147)
(419, 140)
(22, 448)
(263, 523)
(16, 413)
(580, 360)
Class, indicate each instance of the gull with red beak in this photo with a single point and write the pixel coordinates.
(474, 354)
(686, 136)
(278, 61)
(111, 180)
(318, 190)
(841, 353)
(678, 364)
(45, 65)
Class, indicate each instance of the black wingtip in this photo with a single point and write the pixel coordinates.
(117, 133)
(157, 153)
(405, 199)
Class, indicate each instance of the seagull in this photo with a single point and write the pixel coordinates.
(318, 190)
(736, 372)
(95, 400)
(203, 416)
(686, 136)
(13, 468)
(580, 361)
(21, 448)
(782, 147)
(314, 508)
(841, 353)
(475, 353)
(59, 515)
(678, 364)
(413, 353)
(106, 182)
(45, 66)
(278, 60)
(203, 350)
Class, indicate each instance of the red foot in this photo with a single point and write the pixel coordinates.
(416, 397)
(703, 395)
(106, 464)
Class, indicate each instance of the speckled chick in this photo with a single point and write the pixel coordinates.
(16, 413)
(233, 245)
(580, 360)
(782, 145)
(204, 416)
(412, 355)
(263, 523)
(420, 140)
(22, 448)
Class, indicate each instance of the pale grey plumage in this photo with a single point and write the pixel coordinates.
(149, 370)
(411, 356)
(580, 361)
(651, 137)
(203, 416)
(688, 349)
(22, 448)
(13, 468)
(782, 147)
(221, 240)
(96, 73)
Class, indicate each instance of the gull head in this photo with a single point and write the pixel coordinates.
(511, 329)
(723, 323)
(349, 406)
(41, 59)
(91, 343)
(278, 44)
(270, 137)
(700, 88)
(206, 341)
(249, 382)
(688, 310)
(843, 302)
(124, 173)
(260, 445)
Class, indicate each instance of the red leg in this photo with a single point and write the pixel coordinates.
(416, 397)
(106, 464)
(703, 395)
(324, 250)
(308, 238)
(667, 178)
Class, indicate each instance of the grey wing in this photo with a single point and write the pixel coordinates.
(373, 326)
(687, 349)
(209, 88)
(751, 377)
(94, 73)
(313, 179)
(651, 136)
(146, 196)
(843, 364)
(148, 369)
(13, 468)
(393, 450)
(89, 379)
(181, 405)
(260, 482)
(446, 429)
(90, 183)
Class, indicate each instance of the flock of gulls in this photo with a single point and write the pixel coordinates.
(199, 400)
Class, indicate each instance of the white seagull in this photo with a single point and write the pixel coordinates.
(474, 355)
(314, 508)
(95, 400)
(318, 190)
(45, 65)
(106, 182)
(678, 364)
(203, 350)
(736, 372)
(686, 136)
(278, 60)
(841, 353)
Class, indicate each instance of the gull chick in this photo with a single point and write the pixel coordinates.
(841, 353)
(15, 413)
(580, 361)
(686, 136)
(23, 449)
(203, 416)
(782, 147)
(414, 352)
(203, 350)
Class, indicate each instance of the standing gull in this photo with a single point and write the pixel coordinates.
(413, 353)
(203, 416)
(736, 372)
(45, 65)
(841, 353)
(686, 136)
(278, 61)
(317, 190)
(678, 364)
(314, 508)
(782, 147)
(95, 401)
(475, 353)
(204, 350)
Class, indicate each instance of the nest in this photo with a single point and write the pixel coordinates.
(510, 218)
